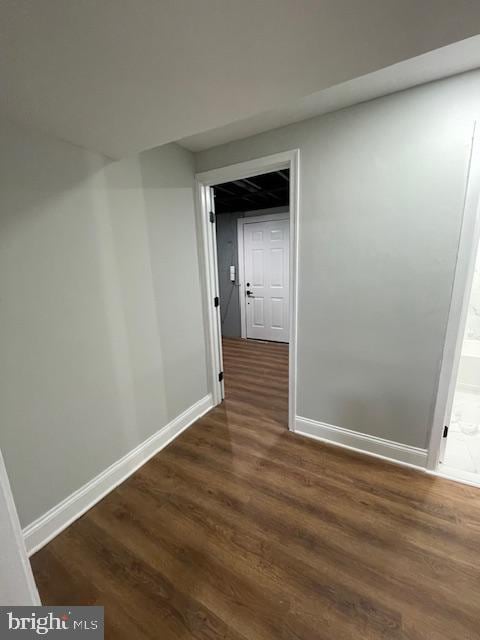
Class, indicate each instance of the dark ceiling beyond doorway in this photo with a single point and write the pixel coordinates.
(260, 192)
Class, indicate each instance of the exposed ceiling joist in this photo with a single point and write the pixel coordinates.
(224, 190)
(262, 192)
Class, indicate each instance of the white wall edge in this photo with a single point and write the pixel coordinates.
(46, 527)
(396, 452)
(457, 315)
(16, 570)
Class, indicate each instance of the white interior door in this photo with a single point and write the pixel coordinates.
(266, 249)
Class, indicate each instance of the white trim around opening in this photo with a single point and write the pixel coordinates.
(204, 182)
(17, 583)
(466, 254)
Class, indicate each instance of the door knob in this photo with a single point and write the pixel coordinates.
(249, 294)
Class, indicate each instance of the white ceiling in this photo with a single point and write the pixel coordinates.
(120, 77)
(441, 63)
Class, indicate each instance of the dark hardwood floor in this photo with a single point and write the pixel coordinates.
(242, 530)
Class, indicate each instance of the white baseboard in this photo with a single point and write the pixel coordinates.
(464, 477)
(371, 445)
(468, 388)
(42, 530)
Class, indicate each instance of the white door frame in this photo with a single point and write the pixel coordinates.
(17, 584)
(241, 222)
(205, 180)
(464, 270)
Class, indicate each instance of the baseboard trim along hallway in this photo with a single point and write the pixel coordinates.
(361, 442)
(46, 527)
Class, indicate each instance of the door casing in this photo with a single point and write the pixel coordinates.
(17, 583)
(204, 181)
(466, 254)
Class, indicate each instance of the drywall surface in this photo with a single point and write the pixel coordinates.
(381, 201)
(124, 77)
(101, 326)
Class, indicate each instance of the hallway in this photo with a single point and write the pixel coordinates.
(257, 373)
(242, 530)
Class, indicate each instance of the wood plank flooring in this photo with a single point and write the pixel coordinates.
(241, 530)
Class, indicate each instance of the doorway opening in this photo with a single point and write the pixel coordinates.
(454, 448)
(252, 238)
(248, 214)
(252, 242)
(461, 455)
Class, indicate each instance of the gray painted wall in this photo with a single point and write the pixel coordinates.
(381, 199)
(101, 325)
(227, 254)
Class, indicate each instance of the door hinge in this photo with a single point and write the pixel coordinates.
(216, 301)
(212, 216)
(220, 376)
(445, 431)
